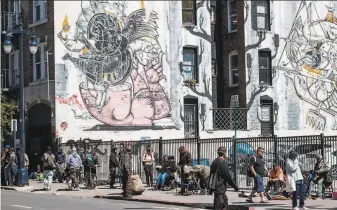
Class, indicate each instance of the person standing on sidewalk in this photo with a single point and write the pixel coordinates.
(13, 161)
(148, 159)
(113, 164)
(60, 164)
(48, 160)
(126, 170)
(221, 177)
(5, 166)
(75, 164)
(185, 160)
(257, 168)
(295, 181)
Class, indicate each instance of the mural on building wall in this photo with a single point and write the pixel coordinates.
(121, 61)
(309, 60)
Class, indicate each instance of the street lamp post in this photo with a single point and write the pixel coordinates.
(22, 174)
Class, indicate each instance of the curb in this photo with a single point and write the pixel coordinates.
(193, 205)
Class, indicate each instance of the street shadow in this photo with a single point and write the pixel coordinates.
(39, 190)
(115, 194)
(257, 204)
(64, 189)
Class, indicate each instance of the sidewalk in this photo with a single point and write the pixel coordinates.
(170, 198)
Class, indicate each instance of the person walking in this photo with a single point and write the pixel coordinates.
(295, 181)
(74, 162)
(5, 166)
(113, 164)
(13, 161)
(321, 169)
(126, 171)
(220, 178)
(148, 159)
(48, 161)
(257, 168)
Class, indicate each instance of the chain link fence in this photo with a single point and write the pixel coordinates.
(230, 118)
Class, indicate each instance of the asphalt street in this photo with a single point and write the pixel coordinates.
(12, 200)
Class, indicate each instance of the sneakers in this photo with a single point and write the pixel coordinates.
(303, 208)
(295, 208)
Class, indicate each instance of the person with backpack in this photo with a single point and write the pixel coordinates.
(48, 161)
(13, 161)
(60, 164)
(219, 179)
(148, 159)
(257, 169)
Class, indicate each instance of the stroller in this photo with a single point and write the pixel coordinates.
(190, 185)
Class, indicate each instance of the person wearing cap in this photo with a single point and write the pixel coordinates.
(320, 170)
(75, 164)
(295, 181)
(113, 164)
(4, 165)
(185, 160)
(221, 177)
(126, 172)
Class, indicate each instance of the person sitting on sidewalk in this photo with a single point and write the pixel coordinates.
(36, 175)
(321, 169)
(168, 168)
(202, 172)
(276, 179)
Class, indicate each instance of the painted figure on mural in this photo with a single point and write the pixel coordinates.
(121, 61)
(311, 62)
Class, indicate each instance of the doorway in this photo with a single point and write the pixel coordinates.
(191, 120)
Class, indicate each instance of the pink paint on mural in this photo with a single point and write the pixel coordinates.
(122, 61)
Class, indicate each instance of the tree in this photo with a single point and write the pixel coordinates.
(7, 111)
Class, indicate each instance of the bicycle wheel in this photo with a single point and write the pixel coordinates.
(90, 181)
(69, 182)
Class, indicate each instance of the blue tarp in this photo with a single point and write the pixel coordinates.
(243, 149)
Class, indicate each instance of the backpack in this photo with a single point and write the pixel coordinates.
(90, 161)
(49, 161)
(249, 172)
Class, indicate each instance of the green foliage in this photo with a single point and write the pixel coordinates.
(7, 109)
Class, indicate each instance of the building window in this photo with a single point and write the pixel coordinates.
(265, 68)
(189, 12)
(13, 68)
(233, 69)
(14, 10)
(190, 118)
(213, 66)
(232, 15)
(262, 14)
(212, 14)
(190, 69)
(39, 10)
(40, 63)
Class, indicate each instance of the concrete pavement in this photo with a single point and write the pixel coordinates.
(159, 197)
(18, 201)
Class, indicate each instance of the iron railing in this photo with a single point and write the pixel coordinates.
(230, 118)
(203, 151)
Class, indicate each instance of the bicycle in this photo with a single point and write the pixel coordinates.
(69, 181)
(90, 179)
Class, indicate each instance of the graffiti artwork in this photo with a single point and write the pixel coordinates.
(310, 62)
(121, 61)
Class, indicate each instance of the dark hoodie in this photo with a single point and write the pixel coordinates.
(185, 158)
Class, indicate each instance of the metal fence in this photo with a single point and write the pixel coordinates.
(204, 151)
(230, 118)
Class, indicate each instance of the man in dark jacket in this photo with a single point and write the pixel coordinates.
(185, 159)
(221, 175)
(126, 171)
(321, 169)
(113, 164)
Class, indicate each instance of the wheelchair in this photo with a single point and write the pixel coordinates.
(171, 181)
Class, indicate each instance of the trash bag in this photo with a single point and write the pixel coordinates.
(137, 185)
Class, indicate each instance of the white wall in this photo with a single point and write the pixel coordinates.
(148, 101)
(315, 101)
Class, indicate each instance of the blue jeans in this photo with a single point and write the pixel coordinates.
(32, 176)
(161, 178)
(300, 192)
